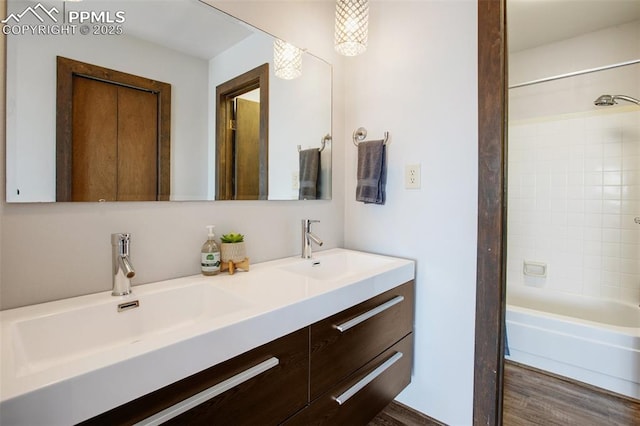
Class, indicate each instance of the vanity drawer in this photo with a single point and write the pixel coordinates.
(359, 398)
(275, 389)
(348, 340)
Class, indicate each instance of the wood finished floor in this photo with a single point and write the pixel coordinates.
(397, 414)
(535, 398)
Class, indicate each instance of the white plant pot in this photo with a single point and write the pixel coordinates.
(234, 252)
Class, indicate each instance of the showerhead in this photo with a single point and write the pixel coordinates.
(608, 100)
(604, 100)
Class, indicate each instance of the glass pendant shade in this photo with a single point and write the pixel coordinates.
(352, 26)
(287, 60)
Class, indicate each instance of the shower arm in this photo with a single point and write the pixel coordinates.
(627, 98)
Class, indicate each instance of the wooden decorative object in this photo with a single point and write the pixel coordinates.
(232, 266)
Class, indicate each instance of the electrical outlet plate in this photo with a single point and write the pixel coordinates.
(412, 176)
(295, 181)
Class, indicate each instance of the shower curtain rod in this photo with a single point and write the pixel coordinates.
(572, 74)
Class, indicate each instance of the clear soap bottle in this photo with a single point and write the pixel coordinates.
(210, 255)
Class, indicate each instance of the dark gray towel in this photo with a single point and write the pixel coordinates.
(372, 172)
(308, 172)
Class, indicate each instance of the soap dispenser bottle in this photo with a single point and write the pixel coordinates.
(210, 255)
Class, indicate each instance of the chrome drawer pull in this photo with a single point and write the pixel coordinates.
(207, 394)
(344, 397)
(373, 312)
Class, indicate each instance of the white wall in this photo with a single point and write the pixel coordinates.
(31, 144)
(608, 46)
(290, 123)
(418, 80)
(574, 168)
(54, 251)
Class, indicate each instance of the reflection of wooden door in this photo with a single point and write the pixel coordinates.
(227, 176)
(112, 135)
(247, 150)
(115, 135)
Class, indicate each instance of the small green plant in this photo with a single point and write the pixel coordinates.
(232, 238)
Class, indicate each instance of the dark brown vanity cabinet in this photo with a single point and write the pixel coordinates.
(361, 358)
(268, 398)
(346, 341)
(341, 370)
(356, 400)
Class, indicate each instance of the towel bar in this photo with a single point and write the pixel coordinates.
(326, 138)
(361, 133)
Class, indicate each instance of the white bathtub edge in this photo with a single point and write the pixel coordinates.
(605, 357)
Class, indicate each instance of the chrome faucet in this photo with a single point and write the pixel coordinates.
(122, 269)
(308, 237)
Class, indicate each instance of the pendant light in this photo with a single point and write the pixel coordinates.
(287, 60)
(352, 26)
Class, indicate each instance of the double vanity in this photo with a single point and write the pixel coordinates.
(294, 341)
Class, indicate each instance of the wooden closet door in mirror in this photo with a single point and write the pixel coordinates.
(115, 142)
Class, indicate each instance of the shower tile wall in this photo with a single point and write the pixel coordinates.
(574, 191)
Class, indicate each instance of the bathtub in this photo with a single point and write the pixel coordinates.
(590, 340)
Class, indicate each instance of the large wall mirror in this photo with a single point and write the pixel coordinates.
(88, 82)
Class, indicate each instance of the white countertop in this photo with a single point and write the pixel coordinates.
(275, 302)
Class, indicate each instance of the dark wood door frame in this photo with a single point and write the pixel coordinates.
(66, 69)
(225, 93)
(491, 254)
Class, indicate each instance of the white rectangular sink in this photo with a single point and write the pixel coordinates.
(334, 266)
(60, 337)
(85, 346)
